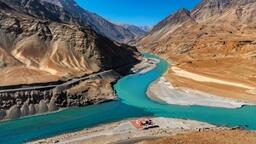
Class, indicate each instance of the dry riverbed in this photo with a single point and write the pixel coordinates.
(129, 131)
(147, 64)
(163, 91)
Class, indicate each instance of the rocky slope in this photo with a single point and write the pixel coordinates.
(47, 52)
(69, 11)
(216, 39)
(167, 26)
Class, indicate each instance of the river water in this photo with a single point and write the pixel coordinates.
(132, 102)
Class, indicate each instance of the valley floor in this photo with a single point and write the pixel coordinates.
(129, 131)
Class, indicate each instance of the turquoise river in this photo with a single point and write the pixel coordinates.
(132, 102)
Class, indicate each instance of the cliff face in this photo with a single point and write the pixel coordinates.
(216, 39)
(70, 12)
(40, 48)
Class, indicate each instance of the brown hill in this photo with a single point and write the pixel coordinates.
(216, 39)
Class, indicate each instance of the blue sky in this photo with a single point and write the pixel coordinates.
(137, 12)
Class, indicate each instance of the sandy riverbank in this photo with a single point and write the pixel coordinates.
(228, 77)
(163, 91)
(147, 64)
(125, 131)
(201, 78)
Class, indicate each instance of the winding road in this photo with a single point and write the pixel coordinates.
(70, 82)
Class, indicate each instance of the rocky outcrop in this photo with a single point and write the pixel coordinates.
(19, 103)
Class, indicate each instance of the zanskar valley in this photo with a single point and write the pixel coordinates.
(69, 75)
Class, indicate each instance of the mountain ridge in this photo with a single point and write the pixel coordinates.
(70, 12)
(166, 26)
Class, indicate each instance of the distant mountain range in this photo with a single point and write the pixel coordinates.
(69, 11)
(145, 28)
(137, 31)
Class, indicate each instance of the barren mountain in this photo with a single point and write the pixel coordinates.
(69, 12)
(167, 26)
(36, 50)
(217, 39)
